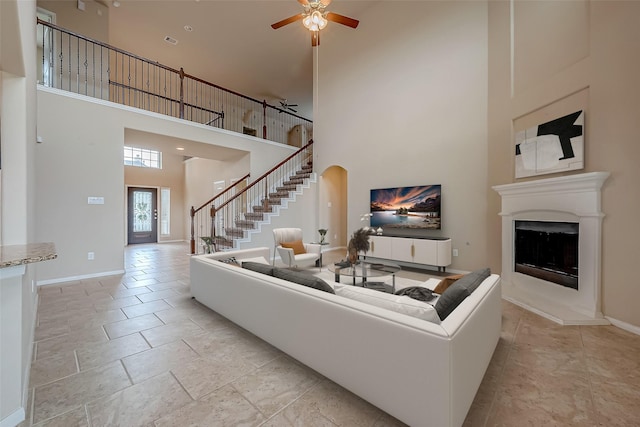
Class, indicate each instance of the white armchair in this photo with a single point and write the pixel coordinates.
(294, 253)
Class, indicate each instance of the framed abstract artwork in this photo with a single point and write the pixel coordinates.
(551, 147)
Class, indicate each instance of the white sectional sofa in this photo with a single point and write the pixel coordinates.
(423, 373)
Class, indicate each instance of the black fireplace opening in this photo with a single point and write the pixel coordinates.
(548, 250)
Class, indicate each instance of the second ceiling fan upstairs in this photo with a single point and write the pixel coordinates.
(315, 18)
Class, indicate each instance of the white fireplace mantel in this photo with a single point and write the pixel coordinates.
(572, 198)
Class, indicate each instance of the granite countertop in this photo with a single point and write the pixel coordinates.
(12, 255)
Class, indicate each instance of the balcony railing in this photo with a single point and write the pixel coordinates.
(78, 64)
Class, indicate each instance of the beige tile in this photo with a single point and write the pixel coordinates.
(158, 360)
(140, 404)
(104, 353)
(164, 334)
(154, 296)
(160, 286)
(205, 375)
(617, 402)
(146, 308)
(328, 400)
(74, 418)
(133, 283)
(59, 365)
(50, 329)
(124, 292)
(117, 303)
(130, 326)
(96, 319)
(276, 384)
(71, 392)
(70, 342)
(222, 408)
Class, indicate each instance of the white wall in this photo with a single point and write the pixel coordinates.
(82, 156)
(403, 101)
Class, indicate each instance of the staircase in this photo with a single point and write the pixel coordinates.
(240, 210)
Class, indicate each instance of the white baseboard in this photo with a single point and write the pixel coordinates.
(13, 419)
(83, 277)
(624, 325)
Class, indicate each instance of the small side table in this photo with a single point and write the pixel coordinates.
(319, 261)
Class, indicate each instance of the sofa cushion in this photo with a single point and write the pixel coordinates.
(258, 267)
(459, 290)
(398, 303)
(303, 279)
(297, 246)
(446, 282)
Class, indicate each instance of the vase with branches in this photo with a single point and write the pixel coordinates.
(323, 233)
(359, 242)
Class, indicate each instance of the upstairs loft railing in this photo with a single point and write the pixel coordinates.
(237, 209)
(78, 64)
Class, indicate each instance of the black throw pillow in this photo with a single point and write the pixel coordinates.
(302, 279)
(419, 293)
(460, 289)
(258, 267)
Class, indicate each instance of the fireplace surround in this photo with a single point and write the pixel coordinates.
(572, 199)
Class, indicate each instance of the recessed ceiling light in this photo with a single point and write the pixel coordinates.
(180, 148)
(188, 28)
(171, 40)
(116, 3)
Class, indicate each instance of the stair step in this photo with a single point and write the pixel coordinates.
(288, 188)
(304, 172)
(223, 242)
(254, 216)
(234, 232)
(294, 181)
(244, 223)
(261, 209)
(279, 194)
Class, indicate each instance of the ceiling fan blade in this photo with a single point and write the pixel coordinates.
(341, 19)
(324, 2)
(304, 2)
(289, 20)
(315, 38)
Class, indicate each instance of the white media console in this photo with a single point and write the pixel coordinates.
(428, 251)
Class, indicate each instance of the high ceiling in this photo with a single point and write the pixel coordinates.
(231, 43)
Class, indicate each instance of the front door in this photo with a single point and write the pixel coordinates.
(142, 215)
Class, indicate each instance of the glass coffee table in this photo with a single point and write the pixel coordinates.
(365, 270)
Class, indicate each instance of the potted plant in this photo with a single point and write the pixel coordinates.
(208, 241)
(359, 242)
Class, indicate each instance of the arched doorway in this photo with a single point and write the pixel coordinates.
(332, 212)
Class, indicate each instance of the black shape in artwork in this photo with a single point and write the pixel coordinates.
(565, 128)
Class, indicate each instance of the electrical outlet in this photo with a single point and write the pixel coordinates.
(455, 252)
(90, 256)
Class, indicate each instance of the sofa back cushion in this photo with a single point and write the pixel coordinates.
(398, 303)
(303, 279)
(459, 290)
(258, 267)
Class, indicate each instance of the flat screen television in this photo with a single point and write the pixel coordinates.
(416, 207)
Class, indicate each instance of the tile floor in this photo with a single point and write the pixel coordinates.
(136, 350)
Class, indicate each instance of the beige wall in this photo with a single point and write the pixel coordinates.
(587, 57)
(403, 101)
(81, 156)
(93, 22)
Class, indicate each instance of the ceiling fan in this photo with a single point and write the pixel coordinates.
(315, 18)
(287, 106)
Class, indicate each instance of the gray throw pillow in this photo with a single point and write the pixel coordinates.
(302, 279)
(258, 267)
(460, 289)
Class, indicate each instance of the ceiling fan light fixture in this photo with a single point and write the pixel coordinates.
(315, 21)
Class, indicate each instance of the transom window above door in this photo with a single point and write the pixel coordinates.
(142, 157)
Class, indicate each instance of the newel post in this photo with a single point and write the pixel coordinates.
(193, 238)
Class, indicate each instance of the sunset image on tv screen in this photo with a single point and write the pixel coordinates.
(406, 207)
